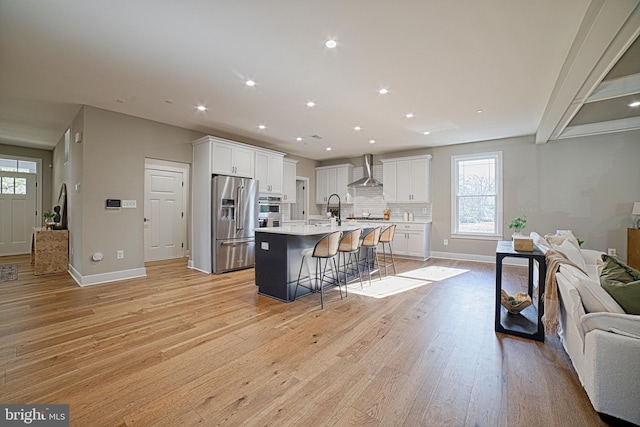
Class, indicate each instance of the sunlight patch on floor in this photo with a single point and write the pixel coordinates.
(434, 273)
(386, 287)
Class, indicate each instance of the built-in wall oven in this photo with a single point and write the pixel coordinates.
(269, 211)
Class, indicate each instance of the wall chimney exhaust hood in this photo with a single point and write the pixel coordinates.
(368, 180)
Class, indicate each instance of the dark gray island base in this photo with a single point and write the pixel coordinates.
(278, 258)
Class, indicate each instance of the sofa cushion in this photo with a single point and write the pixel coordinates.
(594, 297)
(622, 324)
(622, 282)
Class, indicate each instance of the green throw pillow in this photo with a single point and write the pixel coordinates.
(622, 283)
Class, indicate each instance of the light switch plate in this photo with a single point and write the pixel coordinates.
(128, 204)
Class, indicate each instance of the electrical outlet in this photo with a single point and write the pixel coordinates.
(424, 210)
(120, 254)
(446, 242)
(612, 252)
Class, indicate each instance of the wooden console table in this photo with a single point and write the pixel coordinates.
(49, 251)
(528, 323)
(633, 248)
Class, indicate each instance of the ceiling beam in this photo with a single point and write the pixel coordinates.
(631, 123)
(616, 88)
(608, 29)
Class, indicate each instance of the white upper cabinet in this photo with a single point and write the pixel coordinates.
(407, 179)
(269, 172)
(289, 181)
(232, 159)
(389, 183)
(334, 179)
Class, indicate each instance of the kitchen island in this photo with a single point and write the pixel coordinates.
(278, 257)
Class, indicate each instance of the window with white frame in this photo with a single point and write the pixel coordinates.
(477, 195)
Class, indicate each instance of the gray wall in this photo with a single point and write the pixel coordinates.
(584, 184)
(109, 163)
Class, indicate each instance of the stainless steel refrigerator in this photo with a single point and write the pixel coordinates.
(234, 216)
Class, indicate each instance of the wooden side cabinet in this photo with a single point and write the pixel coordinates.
(633, 248)
(49, 251)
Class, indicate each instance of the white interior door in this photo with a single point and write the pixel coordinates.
(17, 212)
(164, 214)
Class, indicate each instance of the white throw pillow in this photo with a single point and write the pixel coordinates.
(594, 297)
(555, 239)
(572, 252)
(540, 242)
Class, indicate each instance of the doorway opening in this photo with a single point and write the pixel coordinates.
(300, 209)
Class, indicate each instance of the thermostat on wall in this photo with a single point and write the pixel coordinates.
(113, 203)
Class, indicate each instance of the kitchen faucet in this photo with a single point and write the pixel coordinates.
(339, 207)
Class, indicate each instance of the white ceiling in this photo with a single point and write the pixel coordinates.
(440, 60)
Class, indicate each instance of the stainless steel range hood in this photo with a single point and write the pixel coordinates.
(368, 180)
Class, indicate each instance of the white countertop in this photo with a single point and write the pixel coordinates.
(304, 230)
(381, 222)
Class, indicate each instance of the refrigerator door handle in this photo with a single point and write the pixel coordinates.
(236, 242)
(239, 207)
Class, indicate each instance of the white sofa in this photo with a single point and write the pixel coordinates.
(602, 341)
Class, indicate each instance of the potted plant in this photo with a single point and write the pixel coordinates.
(48, 219)
(518, 224)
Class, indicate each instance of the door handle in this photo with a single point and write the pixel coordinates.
(236, 242)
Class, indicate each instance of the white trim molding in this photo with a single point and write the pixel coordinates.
(113, 276)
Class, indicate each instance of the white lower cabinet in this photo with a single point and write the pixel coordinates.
(411, 240)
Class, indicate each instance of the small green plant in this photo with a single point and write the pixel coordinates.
(48, 216)
(518, 224)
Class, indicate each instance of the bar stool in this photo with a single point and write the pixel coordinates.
(350, 244)
(370, 242)
(326, 248)
(386, 237)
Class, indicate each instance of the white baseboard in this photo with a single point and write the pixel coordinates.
(190, 265)
(113, 276)
(479, 258)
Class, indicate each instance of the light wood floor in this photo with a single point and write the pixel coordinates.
(183, 348)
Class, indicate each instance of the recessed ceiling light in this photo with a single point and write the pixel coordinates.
(120, 101)
(409, 115)
(426, 132)
(311, 104)
(357, 128)
(168, 101)
(635, 104)
(372, 141)
(298, 139)
(201, 108)
(262, 127)
(479, 111)
(328, 148)
(250, 83)
(331, 43)
(383, 91)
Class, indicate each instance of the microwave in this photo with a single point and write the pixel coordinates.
(269, 205)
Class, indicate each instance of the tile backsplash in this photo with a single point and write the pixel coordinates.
(371, 199)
